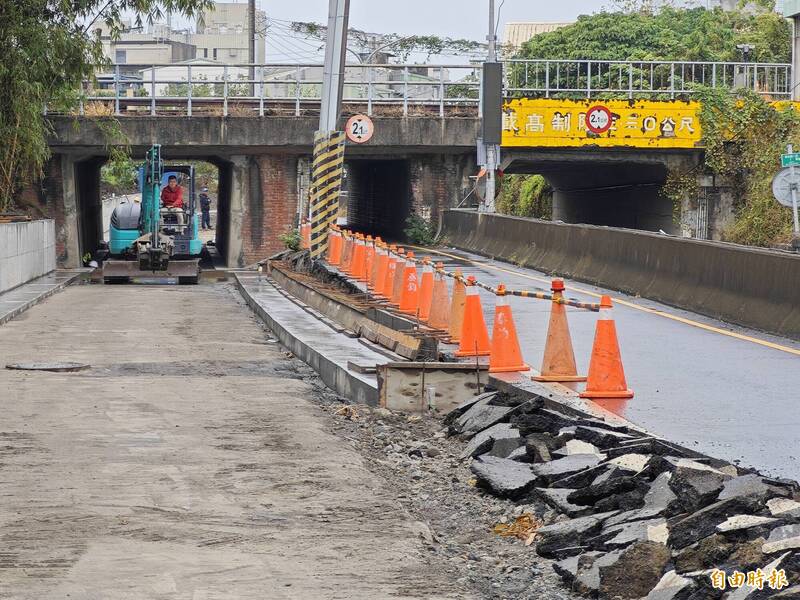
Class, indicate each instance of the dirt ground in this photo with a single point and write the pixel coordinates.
(196, 459)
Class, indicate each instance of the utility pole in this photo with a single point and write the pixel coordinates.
(328, 164)
(251, 43)
(333, 71)
(492, 118)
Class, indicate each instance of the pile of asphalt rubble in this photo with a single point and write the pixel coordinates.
(639, 517)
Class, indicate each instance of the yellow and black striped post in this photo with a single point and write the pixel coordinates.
(326, 183)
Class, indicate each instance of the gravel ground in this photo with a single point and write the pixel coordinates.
(414, 455)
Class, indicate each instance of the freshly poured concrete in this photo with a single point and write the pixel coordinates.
(189, 462)
(727, 397)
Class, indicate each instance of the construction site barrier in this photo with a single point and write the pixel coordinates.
(461, 317)
(754, 287)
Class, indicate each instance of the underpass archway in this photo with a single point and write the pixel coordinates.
(610, 188)
(93, 207)
(379, 197)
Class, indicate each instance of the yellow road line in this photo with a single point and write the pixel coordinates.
(652, 311)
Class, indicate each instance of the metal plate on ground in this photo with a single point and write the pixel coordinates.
(58, 367)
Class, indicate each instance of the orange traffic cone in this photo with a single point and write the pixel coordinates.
(391, 271)
(426, 290)
(506, 356)
(369, 260)
(439, 317)
(474, 337)
(305, 235)
(559, 358)
(409, 295)
(397, 284)
(380, 277)
(606, 377)
(373, 272)
(358, 265)
(335, 247)
(457, 307)
(347, 252)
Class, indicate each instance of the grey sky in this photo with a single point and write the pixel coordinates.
(454, 18)
(446, 18)
(451, 18)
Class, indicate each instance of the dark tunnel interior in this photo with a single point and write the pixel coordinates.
(378, 197)
(611, 193)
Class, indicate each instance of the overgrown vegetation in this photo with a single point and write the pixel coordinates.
(419, 231)
(643, 33)
(118, 175)
(525, 196)
(745, 136)
(48, 48)
(291, 239)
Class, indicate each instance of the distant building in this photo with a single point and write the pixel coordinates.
(223, 33)
(135, 48)
(516, 34)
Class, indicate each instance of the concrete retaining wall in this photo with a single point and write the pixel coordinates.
(27, 251)
(749, 286)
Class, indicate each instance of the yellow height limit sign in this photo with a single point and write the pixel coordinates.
(545, 122)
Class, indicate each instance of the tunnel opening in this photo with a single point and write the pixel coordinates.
(378, 197)
(88, 198)
(102, 185)
(620, 193)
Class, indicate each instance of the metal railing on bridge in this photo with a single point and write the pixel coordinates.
(202, 88)
(637, 79)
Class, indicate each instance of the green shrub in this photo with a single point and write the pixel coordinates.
(419, 231)
(291, 239)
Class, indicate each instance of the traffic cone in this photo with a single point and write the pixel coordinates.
(506, 356)
(373, 272)
(409, 295)
(397, 283)
(391, 271)
(347, 252)
(380, 278)
(369, 260)
(457, 308)
(558, 363)
(474, 337)
(426, 290)
(335, 247)
(358, 266)
(439, 317)
(606, 376)
(305, 235)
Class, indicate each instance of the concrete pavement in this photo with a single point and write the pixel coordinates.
(187, 463)
(731, 397)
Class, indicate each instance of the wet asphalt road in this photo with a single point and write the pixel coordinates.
(727, 397)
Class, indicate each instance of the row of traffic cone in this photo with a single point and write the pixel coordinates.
(391, 273)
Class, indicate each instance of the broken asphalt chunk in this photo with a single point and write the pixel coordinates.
(505, 477)
(567, 537)
(481, 416)
(483, 440)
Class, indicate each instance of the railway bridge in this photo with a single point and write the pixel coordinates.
(256, 124)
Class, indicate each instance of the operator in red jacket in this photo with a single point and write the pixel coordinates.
(172, 195)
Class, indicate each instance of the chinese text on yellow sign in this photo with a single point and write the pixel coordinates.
(636, 123)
